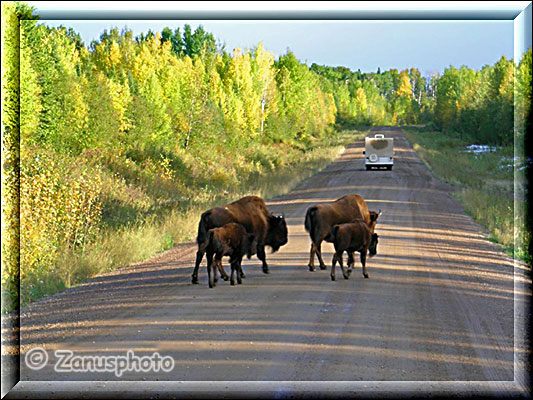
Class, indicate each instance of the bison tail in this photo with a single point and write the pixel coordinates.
(310, 222)
(202, 246)
(203, 228)
(309, 217)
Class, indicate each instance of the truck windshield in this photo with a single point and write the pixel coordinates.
(379, 144)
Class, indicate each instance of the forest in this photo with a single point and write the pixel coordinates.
(118, 144)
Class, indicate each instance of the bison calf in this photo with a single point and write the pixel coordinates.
(351, 237)
(230, 240)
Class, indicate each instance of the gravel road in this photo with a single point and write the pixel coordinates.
(437, 314)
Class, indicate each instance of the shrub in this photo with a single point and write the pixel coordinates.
(60, 211)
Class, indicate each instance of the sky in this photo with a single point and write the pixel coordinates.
(430, 46)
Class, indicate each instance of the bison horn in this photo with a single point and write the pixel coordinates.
(379, 213)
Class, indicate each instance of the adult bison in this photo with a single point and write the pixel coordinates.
(252, 213)
(320, 218)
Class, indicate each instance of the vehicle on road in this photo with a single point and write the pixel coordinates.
(379, 152)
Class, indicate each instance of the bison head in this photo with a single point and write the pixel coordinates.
(374, 220)
(373, 247)
(277, 232)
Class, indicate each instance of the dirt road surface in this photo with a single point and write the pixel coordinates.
(437, 314)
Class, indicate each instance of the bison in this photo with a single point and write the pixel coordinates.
(252, 213)
(351, 237)
(229, 240)
(320, 218)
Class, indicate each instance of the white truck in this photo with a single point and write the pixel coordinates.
(379, 152)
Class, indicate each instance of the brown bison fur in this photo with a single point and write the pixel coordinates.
(229, 240)
(351, 237)
(320, 218)
(252, 213)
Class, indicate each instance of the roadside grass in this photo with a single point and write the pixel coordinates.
(484, 182)
(152, 203)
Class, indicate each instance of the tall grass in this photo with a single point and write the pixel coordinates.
(484, 182)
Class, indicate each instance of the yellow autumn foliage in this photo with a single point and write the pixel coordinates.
(60, 209)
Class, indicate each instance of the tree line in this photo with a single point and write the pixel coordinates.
(480, 105)
(180, 89)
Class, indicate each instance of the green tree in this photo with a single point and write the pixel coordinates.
(503, 88)
(523, 95)
(447, 94)
(198, 42)
(174, 37)
(11, 14)
(30, 91)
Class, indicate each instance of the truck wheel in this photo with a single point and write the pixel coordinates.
(389, 167)
(368, 167)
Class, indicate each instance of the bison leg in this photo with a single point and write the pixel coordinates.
(215, 268)
(262, 256)
(235, 271)
(351, 262)
(311, 264)
(345, 274)
(232, 279)
(223, 274)
(199, 256)
(209, 266)
(363, 263)
(333, 262)
(240, 274)
(319, 255)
